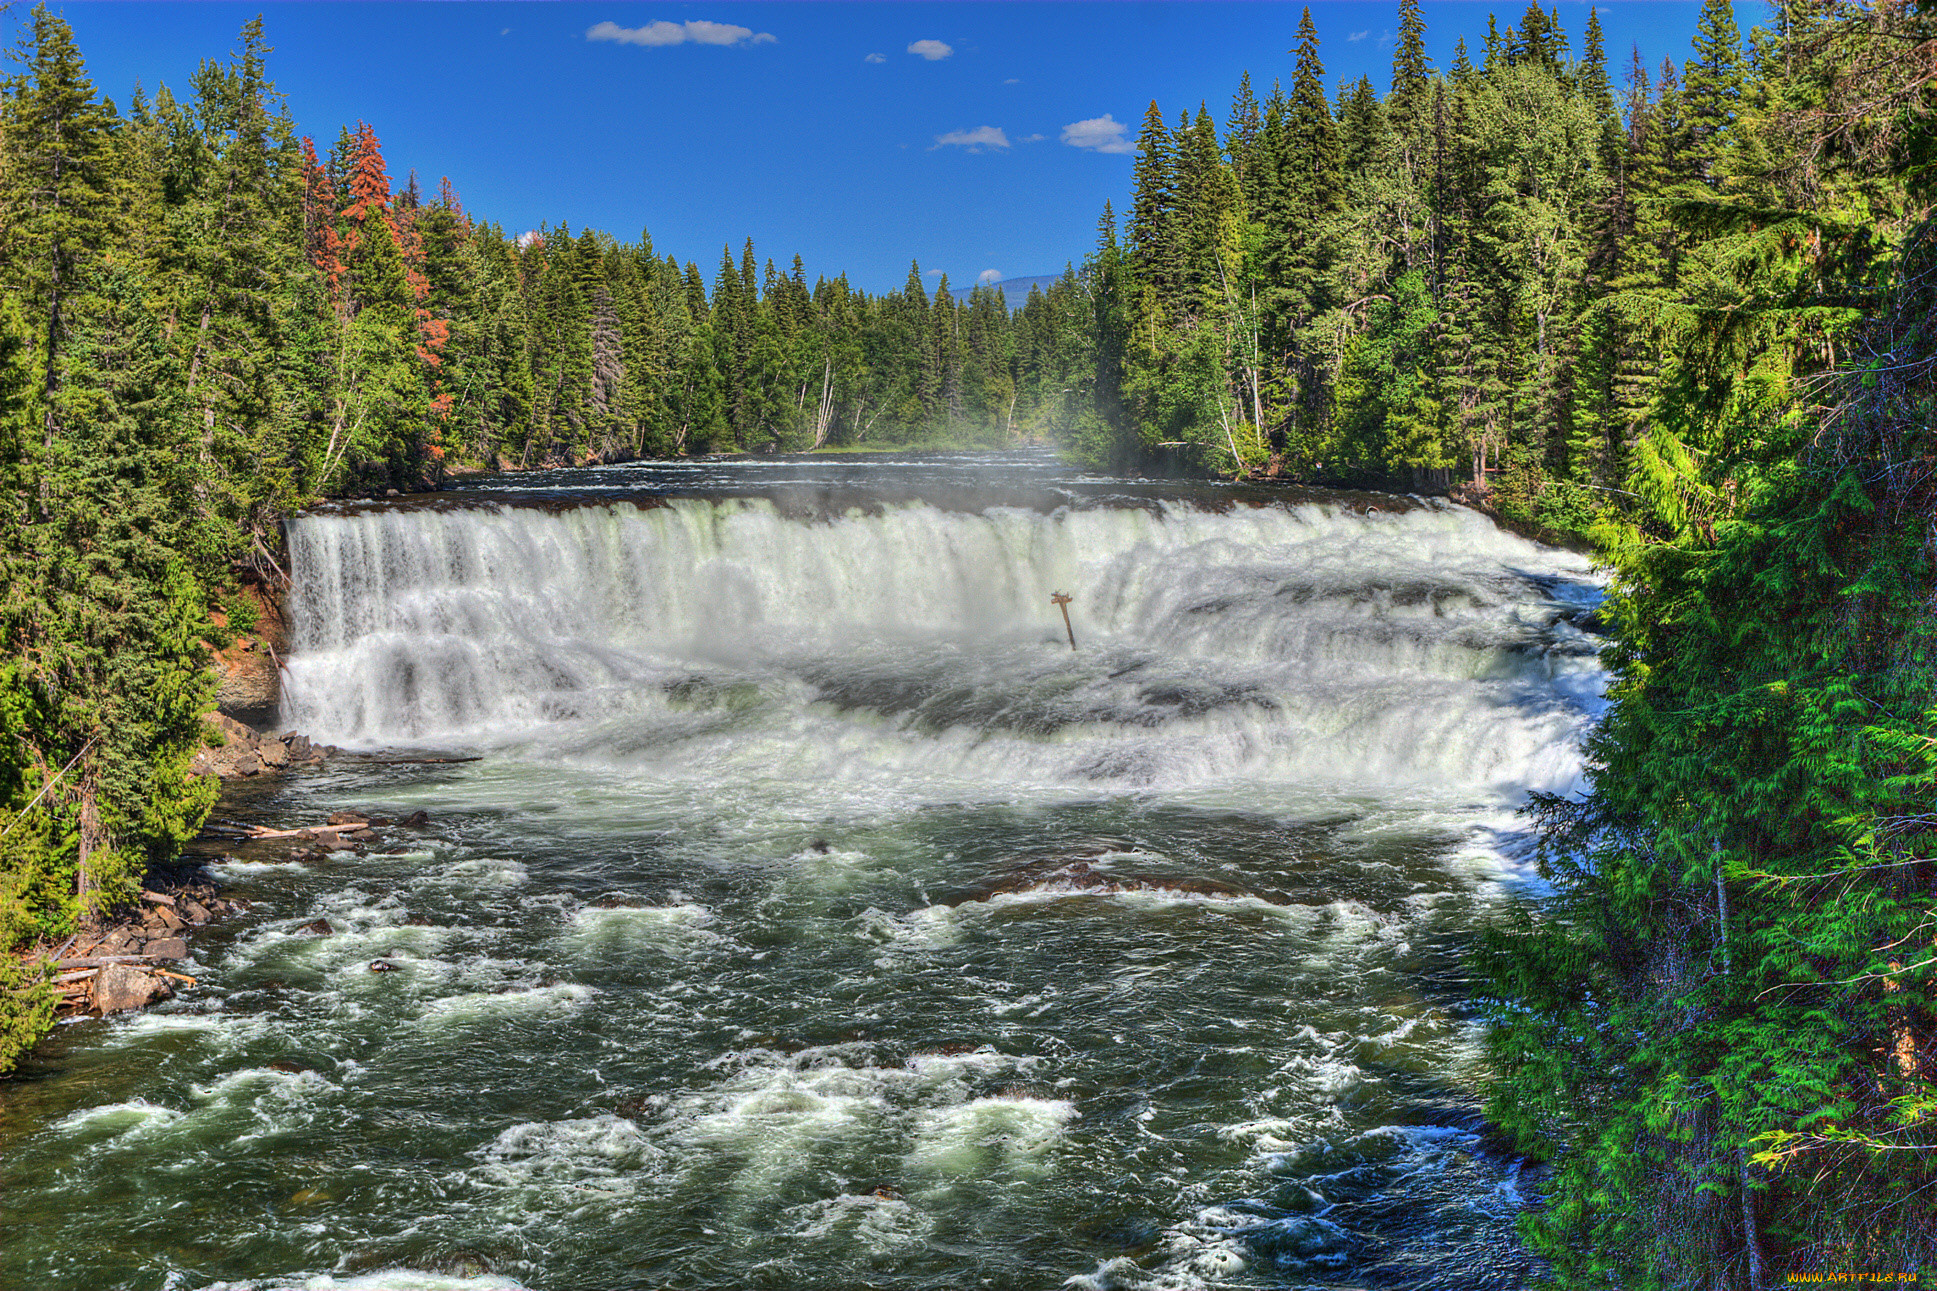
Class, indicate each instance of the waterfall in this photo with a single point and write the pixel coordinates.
(1264, 642)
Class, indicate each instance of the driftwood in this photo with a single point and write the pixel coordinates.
(101, 961)
(180, 977)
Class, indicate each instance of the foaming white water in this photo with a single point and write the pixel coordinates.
(714, 639)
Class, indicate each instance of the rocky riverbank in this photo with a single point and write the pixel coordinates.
(121, 963)
(245, 753)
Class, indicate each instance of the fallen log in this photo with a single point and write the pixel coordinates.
(307, 831)
(76, 976)
(100, 961)
(180, 977)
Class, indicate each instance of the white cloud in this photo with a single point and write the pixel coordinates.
(1013, 80)
(1030, 138)
(528, 237)
(989, 276)
(696, 32)
(1357, 36)
(505, 32)
(933, 273)
(875, 58)
(932, 50)
(975, 140)
(1098, 134)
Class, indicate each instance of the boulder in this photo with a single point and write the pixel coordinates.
(415, 820)
(195, 911)
(168, 948)
(348, 818)
(248, 680)
(232, 731)
(119, 988)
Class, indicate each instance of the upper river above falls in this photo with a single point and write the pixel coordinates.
(815, 917)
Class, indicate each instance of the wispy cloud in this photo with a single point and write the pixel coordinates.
(696, 32)
(1098, 134)
(989, 275)
(934, 273)
(1013, 80)
(1030, 138)
(932, 50)
(875, 58)
(979, 139)
(1357, 36)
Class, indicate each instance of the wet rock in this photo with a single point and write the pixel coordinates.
(273, 754)
(365, 836)
(119, 988)
(167, 948)
(319, 927)
(383, 966)
(348, 818)
(291, 1068)
(381, 822)
(460, 1263)
(195, 911)
(415, 820)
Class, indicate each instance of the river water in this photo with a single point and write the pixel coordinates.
(815, 917)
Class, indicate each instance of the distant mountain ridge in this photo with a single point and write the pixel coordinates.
(1015, 291)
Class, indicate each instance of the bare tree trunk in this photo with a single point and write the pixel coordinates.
(824, 418)
(94, 838)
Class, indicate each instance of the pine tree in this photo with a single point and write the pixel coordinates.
(1241, 134)
(1712, 86)
(1411, 72)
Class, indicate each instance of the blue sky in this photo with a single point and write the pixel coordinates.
(975, 138)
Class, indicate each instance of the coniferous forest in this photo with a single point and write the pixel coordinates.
(1685, 313)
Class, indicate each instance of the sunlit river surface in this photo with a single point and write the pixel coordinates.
(816, 918)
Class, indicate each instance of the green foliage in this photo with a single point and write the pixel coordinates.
(1721, 1025)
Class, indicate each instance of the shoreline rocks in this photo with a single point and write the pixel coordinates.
(119, 965)
(246, 753)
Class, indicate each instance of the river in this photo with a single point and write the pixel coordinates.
(815, 917)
